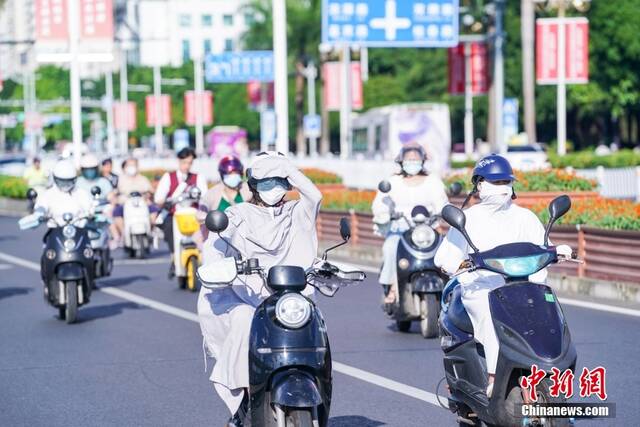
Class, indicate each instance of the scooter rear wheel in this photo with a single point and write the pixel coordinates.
(298, 418)
(191, 279)
(429, 310)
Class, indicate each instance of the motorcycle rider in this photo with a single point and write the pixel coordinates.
(90, 176)
(495, 221)
(231, 190)
(409, 188)
(64, 196)
(276, 232)
(107, 172)
(168, 185)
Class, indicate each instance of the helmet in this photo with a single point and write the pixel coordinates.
(261, 157)
(411, 147)
(492, 168)
(230, 164)
(89, 161)
(64, 175)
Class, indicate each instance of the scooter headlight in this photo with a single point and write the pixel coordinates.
(423, 236)
(69, 231)
(293, 310)
(69, 244)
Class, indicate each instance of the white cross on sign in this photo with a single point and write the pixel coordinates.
(390, 23)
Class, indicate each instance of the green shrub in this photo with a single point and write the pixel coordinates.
(543, 180)
(589, 160)
(13, 187)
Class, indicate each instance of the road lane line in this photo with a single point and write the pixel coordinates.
(351, 371)
(563, 300)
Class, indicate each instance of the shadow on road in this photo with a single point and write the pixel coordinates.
(123, 281)
(103, 311)
(354, 421)
(13, 291)
(8, 237)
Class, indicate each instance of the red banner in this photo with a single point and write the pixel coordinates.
(124, 116)
(254, 94)
(96, 19)
(165, 110)
(190, 107)
(478, 59)
(332, 90)
(576, 50)
(51, 20)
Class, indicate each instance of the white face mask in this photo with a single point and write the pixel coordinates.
(232, 180)
(412, 167)
(131, 170)
(273, 196)
(495, 195)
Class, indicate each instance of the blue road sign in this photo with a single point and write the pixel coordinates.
(311, 126)
(239, 67)
(509, 118)
(390, 23)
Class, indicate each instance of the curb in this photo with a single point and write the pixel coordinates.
(13, 207)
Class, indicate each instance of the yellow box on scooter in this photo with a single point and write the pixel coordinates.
(187, 223)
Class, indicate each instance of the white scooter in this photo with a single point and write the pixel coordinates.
(137, 226)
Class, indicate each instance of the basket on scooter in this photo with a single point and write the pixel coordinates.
(187, 223)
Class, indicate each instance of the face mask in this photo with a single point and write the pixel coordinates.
(412, 167)
(273, 196)
(90, 173)
(495, 195)
(65, 185)
(232, 180)
(131, 170)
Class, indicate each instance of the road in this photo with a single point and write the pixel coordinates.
(135, 357)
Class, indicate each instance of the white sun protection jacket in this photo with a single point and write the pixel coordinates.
(281, 235)
(488, 225)
(55, 203)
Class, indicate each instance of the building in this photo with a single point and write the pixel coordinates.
(17, 29)
(172, 32)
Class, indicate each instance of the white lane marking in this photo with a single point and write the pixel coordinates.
(351, 371)
(6, 266)
(563, 300)
(149, 261)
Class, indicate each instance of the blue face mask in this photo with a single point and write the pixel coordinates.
(90, 174)
(232, 180)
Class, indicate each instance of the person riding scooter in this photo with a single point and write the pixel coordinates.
(409, 188)
(90, 176)
(495, 221)
(276, 232)
(170, 184)
(231, 190)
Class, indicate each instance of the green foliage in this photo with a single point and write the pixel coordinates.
(547, 180)
(13, 187)
(588, 159)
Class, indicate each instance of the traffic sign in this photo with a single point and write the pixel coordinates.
(509, 118)
(390, 23)
(311, 126)
(239, 67)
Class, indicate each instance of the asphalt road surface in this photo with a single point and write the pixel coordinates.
(135, 356)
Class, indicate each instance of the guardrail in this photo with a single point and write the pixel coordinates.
(612, 255)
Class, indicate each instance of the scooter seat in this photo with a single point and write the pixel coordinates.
(457, 313)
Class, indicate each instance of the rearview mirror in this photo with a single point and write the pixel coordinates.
(32, 194)
(216, 221)
(455, 189)
(557, 208)
(456, 218)
(384, 186)
(345, 229)
(95, 191)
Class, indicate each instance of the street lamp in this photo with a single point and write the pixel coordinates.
(561, 108)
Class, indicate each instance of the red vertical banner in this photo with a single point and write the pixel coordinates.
(124, 116)
(254, 93)
(51, 20)
(576, 50)
(96, 19)
(164, 102)
(190, 108)
(332, 88)
(457, 74)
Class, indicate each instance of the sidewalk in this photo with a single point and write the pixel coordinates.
(626, 295)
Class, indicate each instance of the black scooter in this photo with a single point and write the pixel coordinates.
(67, 265)
(528, 320)
(289, 354)
(419, 281)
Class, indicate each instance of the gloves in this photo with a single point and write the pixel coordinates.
(564, 251)
(382, 218)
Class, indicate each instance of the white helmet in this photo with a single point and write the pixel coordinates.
(89, 161)
(64, 175)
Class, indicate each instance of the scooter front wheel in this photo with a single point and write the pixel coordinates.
(191, 279)
(429, 311)
(71, 308)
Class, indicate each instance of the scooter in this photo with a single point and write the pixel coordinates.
(137, 226)
(289, 355)
(528, 320)
(419, 283)
(100, 236)
(186, 254)
(67, 264)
